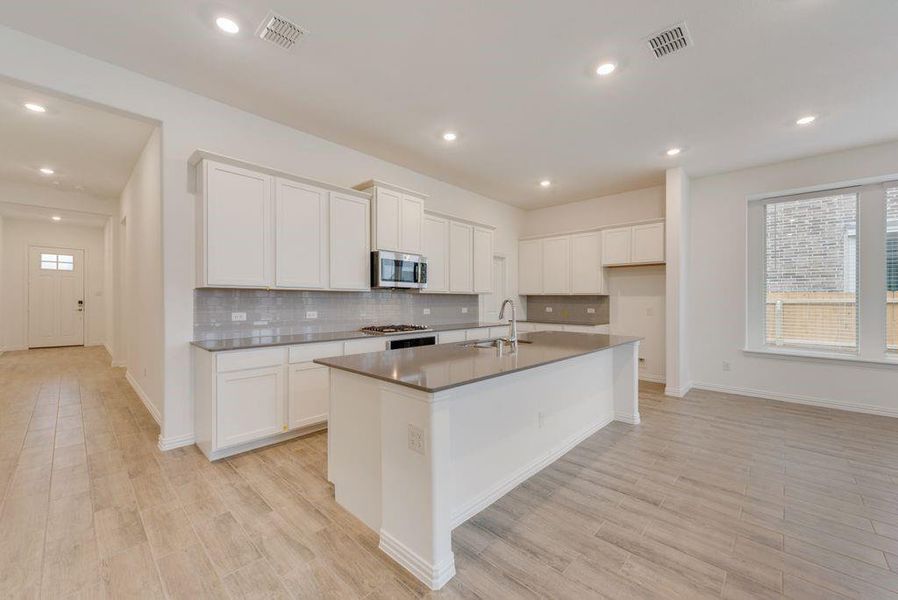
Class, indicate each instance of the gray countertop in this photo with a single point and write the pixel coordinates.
(437, 368)
(246, 343)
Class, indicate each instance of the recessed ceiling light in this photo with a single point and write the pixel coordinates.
(606, 69)
(673, 151)
(450, 136)
(806, 120)
(35, 107)
(227, 25)
(47, 171)
(545, 183)
(56, 218)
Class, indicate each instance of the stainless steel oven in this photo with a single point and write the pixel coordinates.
(398, 270)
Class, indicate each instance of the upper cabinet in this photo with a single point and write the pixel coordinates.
(483, 260)
(397, 217)
(234, 227)
(461, 258)
(436, 250)
(530, 267)
(556, 265)
(301, 247)
(259, 228)
(634, 245)
(587, 276)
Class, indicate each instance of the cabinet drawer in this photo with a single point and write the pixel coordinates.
(309, 352)
(498, 332)
(363, 346)
(451, 337)
(250, 359)
(477, 334)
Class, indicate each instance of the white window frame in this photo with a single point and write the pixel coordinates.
(871, 232)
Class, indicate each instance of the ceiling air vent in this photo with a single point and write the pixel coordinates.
(670, 40)
(277, 30)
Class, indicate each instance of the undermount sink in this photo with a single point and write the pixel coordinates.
(491, 343)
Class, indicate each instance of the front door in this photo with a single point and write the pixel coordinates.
(55, 297)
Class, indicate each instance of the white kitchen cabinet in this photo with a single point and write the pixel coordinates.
(234, 227)
(301, 247)
(461, 265)
(397, 217)
(250, 405)
(385, 219)
(436, 250)
(483, 260)
(587, 275)
(451, 337)
(363, 345)
(350, 258)
(556, 264)
(309, 395)
(411, 224)
(616, 246)
(647, 244)
(477, 334)
(635, 245)
(530, 267)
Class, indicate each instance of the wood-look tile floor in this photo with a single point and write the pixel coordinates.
(712, 496)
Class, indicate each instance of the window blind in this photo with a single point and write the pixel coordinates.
(811, 272)
(892, 268)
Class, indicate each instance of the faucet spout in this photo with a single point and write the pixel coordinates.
(512, 323)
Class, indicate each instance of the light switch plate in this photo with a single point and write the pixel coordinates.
(238, 316)
(590, 311)
(464, 310)
(426, 311)
(311, 314)
(548, 309)
(415, 439)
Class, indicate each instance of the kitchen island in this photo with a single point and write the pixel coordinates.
(422, 439)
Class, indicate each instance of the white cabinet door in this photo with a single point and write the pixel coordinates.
(648, 243)
(411, 224)
(616, 246)
(480, 333)
(361, 346)
(385, 218)
(250, 405)
(451, 337)
(350, 256)
(483, 260)
(301, 248)
(238, 226)
(530, 267)
(309, 395)
(587, 275)
(436, 250)
(557, 265)
(461, 265)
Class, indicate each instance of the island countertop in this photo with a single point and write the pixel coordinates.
(436, 368)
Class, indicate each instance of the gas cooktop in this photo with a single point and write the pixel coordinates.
(385, 329)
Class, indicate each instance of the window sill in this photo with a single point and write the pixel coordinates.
(887, 360)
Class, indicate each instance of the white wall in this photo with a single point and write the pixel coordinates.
(140, 302)
(717, 289)
(189, 122)
(636, 293)
(18, 235)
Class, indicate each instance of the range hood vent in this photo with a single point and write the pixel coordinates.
(670, 40)
(281, 32)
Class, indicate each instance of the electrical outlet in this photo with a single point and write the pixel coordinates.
(548, 309)
(426, 311)
(725, 365)
(238, 316)
(311, 314)
(590, 311)
(415, 439)
(464, 310)
(540, 419)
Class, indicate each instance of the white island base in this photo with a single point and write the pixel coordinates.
(413, 465)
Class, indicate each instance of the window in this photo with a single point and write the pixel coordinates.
(892, 268)
(811, 272)
(57, 262)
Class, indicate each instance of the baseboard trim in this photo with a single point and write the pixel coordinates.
(144, 398)
(652, 378)
(268, 441)
(503, 487)
(632, 419)
(678, 392)
(798, 399)
(119, 364)
(177, 441)
(433, 576)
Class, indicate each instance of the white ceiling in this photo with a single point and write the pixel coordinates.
(42, 213)
(91, 150)
(516, 80)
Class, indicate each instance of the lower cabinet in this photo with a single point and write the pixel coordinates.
(250, 405)
(309, 395)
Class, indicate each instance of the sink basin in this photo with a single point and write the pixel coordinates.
(491, 343)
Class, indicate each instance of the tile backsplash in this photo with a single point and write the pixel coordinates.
(283, 312)
(585, 310)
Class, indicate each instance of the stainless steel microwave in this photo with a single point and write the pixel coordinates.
(398, 270)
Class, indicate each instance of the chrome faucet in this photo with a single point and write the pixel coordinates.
(513, 324)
